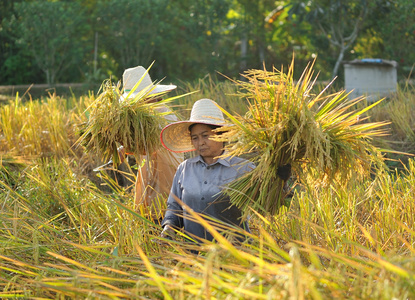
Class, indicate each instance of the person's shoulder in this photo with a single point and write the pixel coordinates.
(239, 161)
(192, 160)
(189, 161)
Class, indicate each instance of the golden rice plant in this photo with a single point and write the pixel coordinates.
(36, 128)
(223, 92)
(106, 250)
(399, 109)
(287, 127)
(133, 122)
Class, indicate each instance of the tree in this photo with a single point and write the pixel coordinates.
(393, 33)
(265, 35)
(339, 21)
(196, 43)
(130, 31)
(250, 20)
(52, 32)
(53, 40)
(15, 62)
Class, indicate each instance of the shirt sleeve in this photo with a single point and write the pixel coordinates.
(174, 212)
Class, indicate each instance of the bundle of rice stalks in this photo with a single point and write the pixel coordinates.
(114, 120)
(287, 128)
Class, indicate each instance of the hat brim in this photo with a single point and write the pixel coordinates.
(160, 88)
(157, 89)
(176, 136)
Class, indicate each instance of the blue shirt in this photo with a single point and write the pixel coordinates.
(199, 186)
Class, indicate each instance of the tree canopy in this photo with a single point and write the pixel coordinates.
(53, 41)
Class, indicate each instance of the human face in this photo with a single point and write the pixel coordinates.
(200, 135)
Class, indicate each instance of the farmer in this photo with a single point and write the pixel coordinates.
(155, 175)
(199, 180)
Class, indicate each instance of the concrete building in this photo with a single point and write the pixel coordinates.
(374, 78)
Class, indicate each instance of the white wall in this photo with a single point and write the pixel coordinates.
(373, 80)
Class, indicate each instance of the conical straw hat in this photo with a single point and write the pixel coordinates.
(176, 136)
(133, 75)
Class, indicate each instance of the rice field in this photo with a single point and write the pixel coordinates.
(70, 233)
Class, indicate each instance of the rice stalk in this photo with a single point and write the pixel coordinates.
(288, 128)
(133, 122)
(325, 265)
(399, 110)
(223, 92)
(36, 128)
(356, 242)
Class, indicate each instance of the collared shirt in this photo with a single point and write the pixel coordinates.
(199, 186)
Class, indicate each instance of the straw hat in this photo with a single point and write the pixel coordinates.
(132, 76)
(176, 137)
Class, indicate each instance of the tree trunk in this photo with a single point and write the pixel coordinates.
(338, 62)
(244, 52)
(261, 50)
(48, 79)
(95, 53)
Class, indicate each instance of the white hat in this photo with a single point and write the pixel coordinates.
(140, 75)
(176, 136)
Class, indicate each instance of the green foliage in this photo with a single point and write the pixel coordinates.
(195, 40)
(389, 33)
(16, 66)
(130, 31)
(54, 34)
(339, 22)
(78, 41)
(397, 32)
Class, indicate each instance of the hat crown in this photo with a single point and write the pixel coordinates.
(206, 111)
(176, 137)
(132, 75)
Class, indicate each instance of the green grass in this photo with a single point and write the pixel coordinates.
(67, 234)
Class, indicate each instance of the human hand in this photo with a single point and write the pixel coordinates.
(121, 153)
(168, 232)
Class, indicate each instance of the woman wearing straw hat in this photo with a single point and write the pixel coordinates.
(199, 180)
(155, 176)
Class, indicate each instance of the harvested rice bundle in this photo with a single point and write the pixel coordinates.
(287, 128)
(114, 120)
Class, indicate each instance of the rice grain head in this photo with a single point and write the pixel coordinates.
(287, 125)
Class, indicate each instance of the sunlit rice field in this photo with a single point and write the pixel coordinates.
(68, 232)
